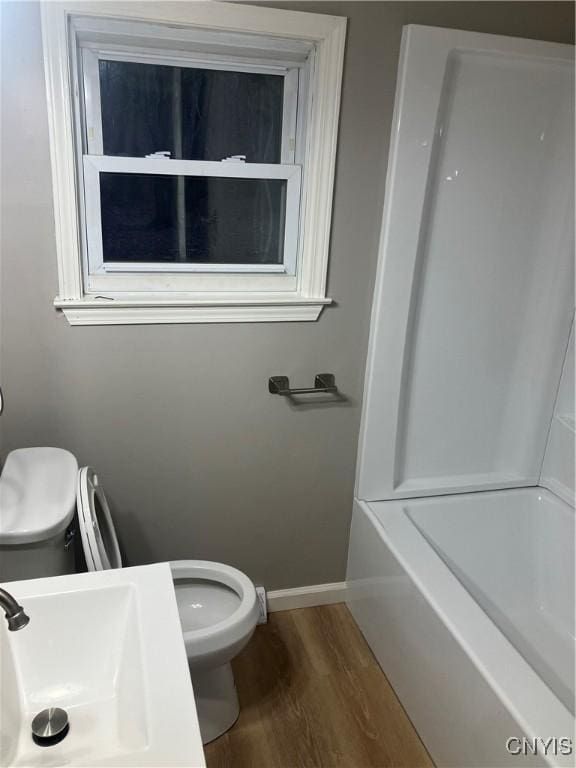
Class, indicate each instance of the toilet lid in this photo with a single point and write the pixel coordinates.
(96, 527)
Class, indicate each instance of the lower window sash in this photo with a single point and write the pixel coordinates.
(287, 230)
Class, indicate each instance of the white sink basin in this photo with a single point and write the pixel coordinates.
(107, 648)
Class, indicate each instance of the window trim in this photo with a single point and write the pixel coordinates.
(306, 296)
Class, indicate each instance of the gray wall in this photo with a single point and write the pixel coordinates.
(199, 461)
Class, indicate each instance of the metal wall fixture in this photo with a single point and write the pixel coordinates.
(324, 383)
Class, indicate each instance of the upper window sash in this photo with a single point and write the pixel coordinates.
(94, 165)
(90, 57)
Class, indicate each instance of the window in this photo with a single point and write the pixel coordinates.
(193, 160)
(187, 167)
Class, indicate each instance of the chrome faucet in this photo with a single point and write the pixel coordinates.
(15, 615)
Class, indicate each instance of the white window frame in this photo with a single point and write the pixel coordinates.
(133, 276)
(296, 291)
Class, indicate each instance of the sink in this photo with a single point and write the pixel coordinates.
(107, 648)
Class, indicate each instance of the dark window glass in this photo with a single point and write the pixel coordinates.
(195, 114)
(192, 219)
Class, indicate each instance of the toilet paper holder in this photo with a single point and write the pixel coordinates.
(324, 383)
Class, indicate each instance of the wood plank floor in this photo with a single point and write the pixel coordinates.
(313, 696)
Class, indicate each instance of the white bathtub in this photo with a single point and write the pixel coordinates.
(468, 603)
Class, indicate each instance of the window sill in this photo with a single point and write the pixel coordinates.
(143, 311)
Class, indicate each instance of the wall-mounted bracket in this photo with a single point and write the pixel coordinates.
(323, 383)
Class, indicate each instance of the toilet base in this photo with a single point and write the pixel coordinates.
(216, 700)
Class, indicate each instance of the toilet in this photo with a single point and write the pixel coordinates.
(41, 489)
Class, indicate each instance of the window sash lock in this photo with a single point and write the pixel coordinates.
(234, 159)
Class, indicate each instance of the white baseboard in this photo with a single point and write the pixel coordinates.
(306, 597)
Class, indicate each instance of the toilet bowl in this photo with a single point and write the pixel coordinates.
(217, 605)
(218, 612)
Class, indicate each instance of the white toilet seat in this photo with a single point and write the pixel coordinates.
(99, 540)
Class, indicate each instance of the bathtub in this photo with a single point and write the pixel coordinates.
(467, 601)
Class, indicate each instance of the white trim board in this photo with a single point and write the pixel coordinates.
(306, 597)
(118, 312)
(320, 34)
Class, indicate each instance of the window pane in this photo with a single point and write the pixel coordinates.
(138, 217)
(192, 219)
(195, 114)
(231, 113)
(136, 104)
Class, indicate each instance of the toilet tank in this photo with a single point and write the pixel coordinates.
(37, 507)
